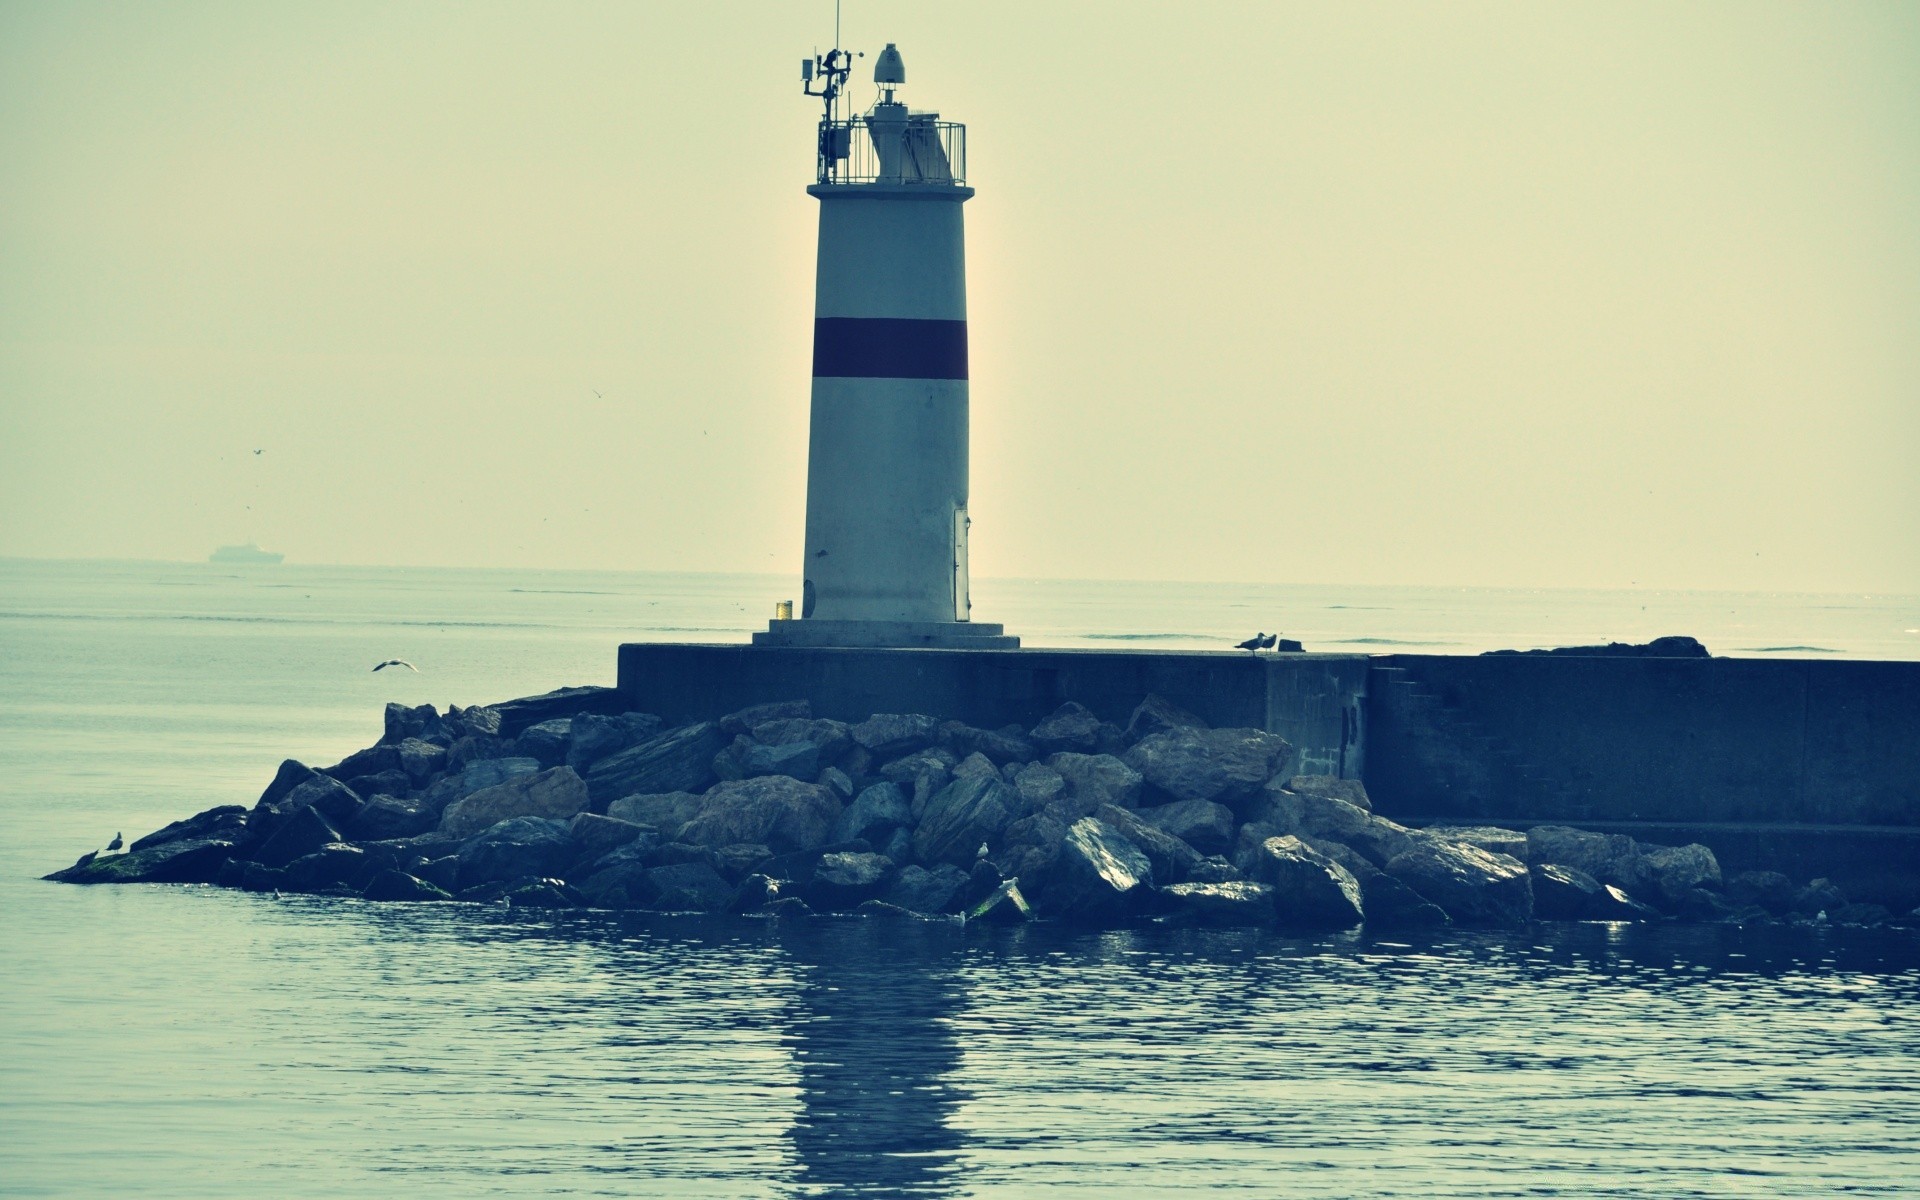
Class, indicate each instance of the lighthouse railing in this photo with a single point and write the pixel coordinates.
(919, 150)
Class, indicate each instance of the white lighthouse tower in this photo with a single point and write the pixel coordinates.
(886, 540)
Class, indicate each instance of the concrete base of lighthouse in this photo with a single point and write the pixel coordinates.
(941, 635)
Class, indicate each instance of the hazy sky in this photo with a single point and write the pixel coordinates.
(1505, 294)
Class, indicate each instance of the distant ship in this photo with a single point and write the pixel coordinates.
(248, 553)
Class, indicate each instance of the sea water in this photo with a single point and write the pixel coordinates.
(195, 1042)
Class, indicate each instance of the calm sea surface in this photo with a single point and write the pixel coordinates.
(191, 1042)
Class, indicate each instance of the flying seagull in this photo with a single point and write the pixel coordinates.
(396, 662)
(1258, 641)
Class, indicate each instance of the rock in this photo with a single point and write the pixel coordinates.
(398, 885)
(596, 836)
(789, 908)
(556, 792)
(547, 741)
(1310, 890)
(1854, 914)
(1000, 745)
(479, 720)
(899, 845)
(333, 867)
(1491, 838)
(538, 846)
(796, 760)
(976, 766)
(1222, 765)
(517, 716)
(890, 735)
(390, 783)
(480, 747)
(1099, 875)
(1247, 843)
(874, 814)
(1214, 869)
(1096, 779)
(592, 737)
(1675, 871)
(1239, 902)
(1392, 905)
(443, 873)
(739, 860)
(1608, 857)
(1039, 785)
(256, 878)
(1769, 890)
(775, 810)
(483, 773)
(843, 881)
(1070, 728)
(905, 771)
(1473, 886)
(1377, 839)
(617, 882)
(1562, 893)
(1819, 896)
(678, 760)
(838, 782)
(830, 739)
(292, 774)
(737, 723)
(383, 818)
(228, 821)
(687, 887)
(196, 859)
(1173, 861)
(1273, 805)
(1331, 787)
(667, 811)
(927, 891)
(304, 831)
(1156, 714)
(1202, 824)
(966, 814)
(420, 760)
(334, 800)
(1028, 850)
(1003, 906)
(1355, 862)
(755, 893)
(422, 722)
(371, 761)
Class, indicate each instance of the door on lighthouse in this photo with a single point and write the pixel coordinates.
(962, 602)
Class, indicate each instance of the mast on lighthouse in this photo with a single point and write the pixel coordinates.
(886, 526)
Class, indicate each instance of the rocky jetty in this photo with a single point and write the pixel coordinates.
(567, 801)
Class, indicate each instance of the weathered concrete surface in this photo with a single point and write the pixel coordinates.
(1314, 701)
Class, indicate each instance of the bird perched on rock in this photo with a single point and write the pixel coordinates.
(86, 858)
(397, 662)
(116, 843)
(1259, 641)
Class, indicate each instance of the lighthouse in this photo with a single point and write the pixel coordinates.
(886, 535)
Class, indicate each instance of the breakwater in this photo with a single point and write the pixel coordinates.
(575, 799)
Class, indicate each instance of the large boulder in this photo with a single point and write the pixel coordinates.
(394, 884)
(678, 760)
(1608, 857)
(1222, 765)
(933, 761)
(1332, 787)
(1202, 824)
(919, 889)
(481, 773)
(1155, 714)
(422, 722)
(516, 716)
(592, 737)
(963, 816)
(845, 880)
(1473, 886)
(547, 741)
(1675, 871)
(1491, 838)
(736, 723)
(1039, 785)
(687, 887)
(666, 812)
(776, 811)
(228, 821)
(1003, 746)
(1769, 890)
(538, 846)
(196, 859)
(830, 739)
(1377, 839)
(890, 735)
(333, 867)
(1173, 861)
(383, 818)
(1392, 905)
(1096, 779)
(750, 760)
(1310, 890)
(595, 836)
(874, 814)
(1236, 902)
(302, 832)
(1099, 875)
(333, 799)
(1070, 728)
(1570, 894)
(291, 774)
(556, 792)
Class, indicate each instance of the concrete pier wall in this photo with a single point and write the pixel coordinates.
(1316, 701)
